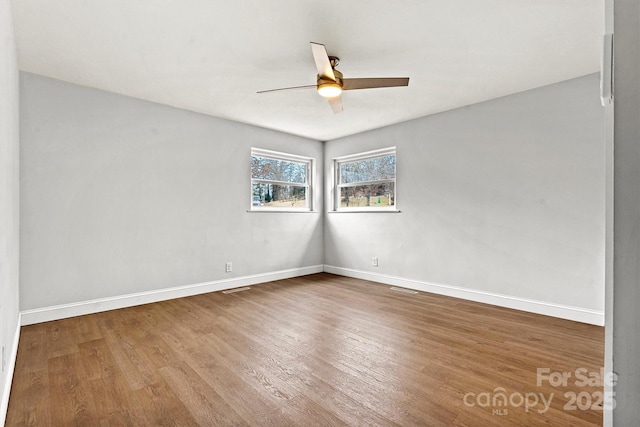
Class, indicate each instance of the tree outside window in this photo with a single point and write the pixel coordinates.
(279, 180)
(366, 181)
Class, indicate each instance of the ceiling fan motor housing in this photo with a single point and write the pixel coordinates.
(325, 80)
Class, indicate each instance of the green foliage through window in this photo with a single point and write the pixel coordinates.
(366, 181)
(279, 180)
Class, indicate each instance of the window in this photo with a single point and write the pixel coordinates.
(366, 181)
(280, 181)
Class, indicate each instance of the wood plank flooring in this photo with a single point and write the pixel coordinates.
(316, 350)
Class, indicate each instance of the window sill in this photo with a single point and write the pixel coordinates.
(366, 211)
(277, 210)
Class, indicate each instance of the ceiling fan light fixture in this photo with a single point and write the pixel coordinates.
(329, 89)
(330, 82)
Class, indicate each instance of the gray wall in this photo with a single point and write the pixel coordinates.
(504, 197)
(121, 196)
(623, 333)
(9, 200)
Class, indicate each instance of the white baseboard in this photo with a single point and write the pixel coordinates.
(63, 311)
(577, 314)
(11, 367)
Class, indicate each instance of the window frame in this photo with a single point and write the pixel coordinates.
(287, 157)
(337, 185)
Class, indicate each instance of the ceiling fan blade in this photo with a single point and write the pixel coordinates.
(289, 88)
(336, 104)
(321, 57)
(375, 82)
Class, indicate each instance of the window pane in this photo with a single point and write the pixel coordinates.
(373, 169)
(370, 196)
(279, 196)
(278, 170)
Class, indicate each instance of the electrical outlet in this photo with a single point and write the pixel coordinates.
(374, 261)
(228, 267)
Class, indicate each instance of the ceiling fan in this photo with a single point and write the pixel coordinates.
(330, 82)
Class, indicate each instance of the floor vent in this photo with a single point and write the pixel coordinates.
(230, 291)
(406, 291)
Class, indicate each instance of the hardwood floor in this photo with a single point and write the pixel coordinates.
(314, 350)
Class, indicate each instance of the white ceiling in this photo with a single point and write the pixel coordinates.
(212, 56)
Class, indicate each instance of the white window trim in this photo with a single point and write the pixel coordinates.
(336, 208)
(277, 155)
